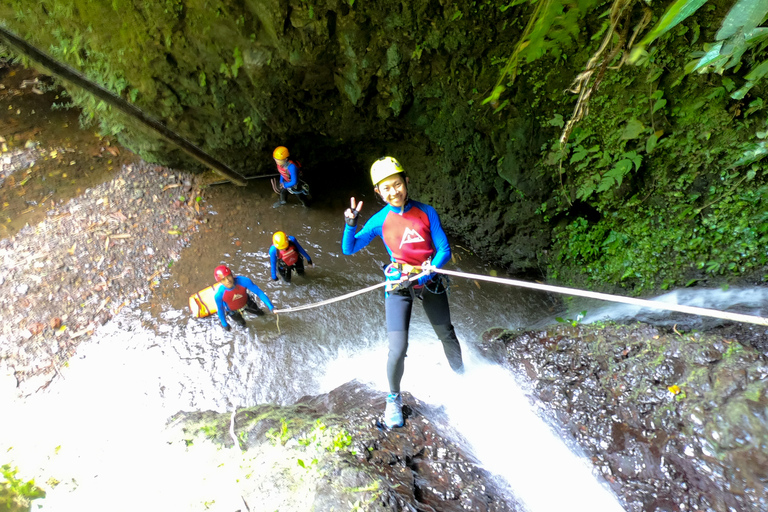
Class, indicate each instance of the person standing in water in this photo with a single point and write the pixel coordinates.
(286, 255)
(232, 297)
(290, 178)
(412, 234)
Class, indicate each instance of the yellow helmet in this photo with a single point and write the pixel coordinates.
(281, 153)
(280, 240)
(383, 168)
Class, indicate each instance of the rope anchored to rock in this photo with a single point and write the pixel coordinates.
(428, 269)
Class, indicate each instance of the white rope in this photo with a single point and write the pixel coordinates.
(343, 297)
(608, 297)
(427, 269)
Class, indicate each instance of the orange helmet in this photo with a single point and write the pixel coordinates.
(221, 272)
(280, 240)
(281, 153)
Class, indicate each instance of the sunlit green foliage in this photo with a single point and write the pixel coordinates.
(16, 494)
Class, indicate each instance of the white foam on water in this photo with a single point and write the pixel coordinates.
(489, 409)
(100, 432)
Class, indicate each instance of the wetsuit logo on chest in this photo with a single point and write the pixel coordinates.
(410, 236)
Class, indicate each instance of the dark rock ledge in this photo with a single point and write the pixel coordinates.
(327, 453)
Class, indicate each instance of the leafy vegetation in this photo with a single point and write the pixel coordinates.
(323, 439)
(16, 494)
(660, 185)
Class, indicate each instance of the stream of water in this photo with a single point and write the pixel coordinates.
(99, 429)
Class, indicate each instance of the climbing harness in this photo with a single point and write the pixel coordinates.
(427, 269)
(438, 284)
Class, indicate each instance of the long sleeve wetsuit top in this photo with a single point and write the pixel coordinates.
(289, 175)
(411, 235)
(275, 254)
(232, 299)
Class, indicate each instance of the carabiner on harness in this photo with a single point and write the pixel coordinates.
(396, 274)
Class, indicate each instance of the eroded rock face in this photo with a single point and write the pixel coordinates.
(675, 421)
(327, 452)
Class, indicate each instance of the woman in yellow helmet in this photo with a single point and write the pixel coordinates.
(290, 178)
(286, 255)
(412, 235)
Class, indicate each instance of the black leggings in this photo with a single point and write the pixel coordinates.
(285, 271)
(398, 306)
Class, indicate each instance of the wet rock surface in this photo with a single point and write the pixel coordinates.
(330, 450)
(91, 256)
(675, 421)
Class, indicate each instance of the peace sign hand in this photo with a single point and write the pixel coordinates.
(351, 213)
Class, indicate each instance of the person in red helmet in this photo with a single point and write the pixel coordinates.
(232, 297)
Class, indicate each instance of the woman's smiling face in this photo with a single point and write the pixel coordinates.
(393, 190)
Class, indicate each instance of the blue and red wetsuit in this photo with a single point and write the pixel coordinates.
(230, 300)
(411, 235)
(287, 259)
(290, 179)
(289, 175)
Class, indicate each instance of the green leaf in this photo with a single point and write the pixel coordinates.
(753, 153)
(739, 94)
(606, 183)
(758, 72)
(712, 55)
(657, 105)
(650, 144)
(495, 95)
(621, 169)
(511, 4)
(743, 16)
(579, 155)
(585, 191)
(636, 158)
(633, 129)
(557, 121)
(677, 12)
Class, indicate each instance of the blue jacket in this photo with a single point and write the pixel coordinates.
(293, 169)
(244, 282)
(273, 255)
(411, 235)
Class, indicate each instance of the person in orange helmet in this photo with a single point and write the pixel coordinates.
(290, 178)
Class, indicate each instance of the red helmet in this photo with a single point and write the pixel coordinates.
(221, 272)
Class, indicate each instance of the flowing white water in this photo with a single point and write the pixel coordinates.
(749, 301)
(100, 430)
(490, 411)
